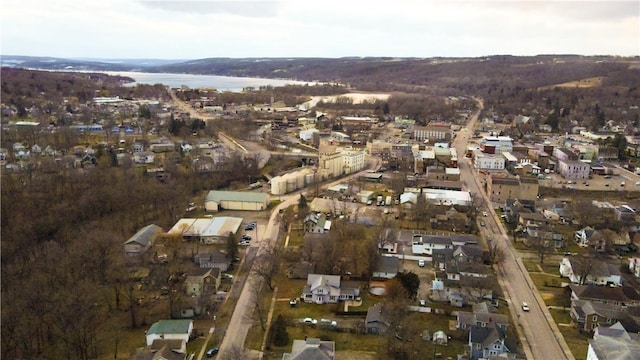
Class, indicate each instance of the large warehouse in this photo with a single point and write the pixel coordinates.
(236, 200)
(207, 230)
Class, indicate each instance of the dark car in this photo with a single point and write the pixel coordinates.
(246, 237)
(250, 226)
(212, 352)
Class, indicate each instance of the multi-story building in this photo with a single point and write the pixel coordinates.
(503, 188)
(483, 161)
(496, 144)
(353, 160)
(438, 132)
(574, 169)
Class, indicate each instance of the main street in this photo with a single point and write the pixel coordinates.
(540, 336)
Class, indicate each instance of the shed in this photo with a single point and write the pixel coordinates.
(141, 241)
(236, 200)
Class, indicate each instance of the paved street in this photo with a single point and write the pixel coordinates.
(540, 335)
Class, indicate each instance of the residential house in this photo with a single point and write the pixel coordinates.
(387, 267)
(457, 270)
(202, 281)
(316, 223)
(214, 260)
(163, 350)
(377, 321)
(618, 295)
(170, 330)
(613, 343)
(144, 157)
(634, 266)
(142, 241)
(311, 349)
(598, 272)
(587, 315)
(465, 320)
(486, 341)
(583, 236)
(425, 244)
(513, 207)
(324, 289)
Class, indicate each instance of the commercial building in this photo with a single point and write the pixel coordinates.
(433, 132)
(503, 188)
(496, 144)
(574, 169)
(236, 200)
(207, 230)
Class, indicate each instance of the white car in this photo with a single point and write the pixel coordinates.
(310, 321)
(525, 307)
(485, 214)
(421, 263)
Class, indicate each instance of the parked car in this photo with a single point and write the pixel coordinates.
(244, 243)
(250, 226)
(525, 307)
(246, 237)
(310, 321)
(212, 352)
(293, 302)
(485, 214)
(421, 263)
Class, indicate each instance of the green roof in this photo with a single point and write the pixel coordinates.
(246, 196)
(170, 327)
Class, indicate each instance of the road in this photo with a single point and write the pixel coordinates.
(540, 336)
(240, 322)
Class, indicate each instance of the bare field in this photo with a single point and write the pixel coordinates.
(584, 83)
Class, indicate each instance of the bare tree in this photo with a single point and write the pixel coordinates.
(267, 264)
(542, 247)
(256, 290)
(582, 266)
(495, 252)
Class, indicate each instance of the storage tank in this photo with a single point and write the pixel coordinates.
(291, 184)
(299, 180)
(308, 179)
(276, 186)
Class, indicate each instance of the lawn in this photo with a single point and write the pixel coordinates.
(578, 343)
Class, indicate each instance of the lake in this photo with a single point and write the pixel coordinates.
(221, 83)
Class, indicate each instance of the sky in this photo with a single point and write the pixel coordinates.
(195, 29)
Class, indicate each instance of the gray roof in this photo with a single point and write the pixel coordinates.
(170, 327)
(244, 196)
(486, 335)
(618, 346)
(311, 349)
(388, 264)
(144, 235)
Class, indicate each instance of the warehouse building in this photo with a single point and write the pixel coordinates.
(207, 230)
(236, 200)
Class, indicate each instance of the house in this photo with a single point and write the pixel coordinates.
(486, 341)
(614, 342)
(590, 271)
(163, 350)
(583, 236)
(144, 157)
(236, 200)
(425, 244)
(202, 281)
(376, 321)
(387, 267)
(456, 270)
(170, 330)
(587, 315)
(634, 266)
(214, 260)
(316, 223)
(323, 289)
(465, 320)
(141, 241)
(619, 295)
(311, 349)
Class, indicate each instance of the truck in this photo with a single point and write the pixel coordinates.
(379, 200)
(387, 201)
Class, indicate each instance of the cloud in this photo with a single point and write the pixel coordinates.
(244, 8)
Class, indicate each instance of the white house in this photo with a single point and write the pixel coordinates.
(323, 289)
(600, 273)
(634, 266)
(170, 330)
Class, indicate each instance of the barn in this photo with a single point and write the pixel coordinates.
(236, 200)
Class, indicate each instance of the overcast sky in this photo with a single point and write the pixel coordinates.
(193, 29)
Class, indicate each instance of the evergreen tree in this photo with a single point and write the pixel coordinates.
(279, 335)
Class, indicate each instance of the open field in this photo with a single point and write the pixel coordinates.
(584, 83)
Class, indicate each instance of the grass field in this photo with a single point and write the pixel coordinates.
(584, 83)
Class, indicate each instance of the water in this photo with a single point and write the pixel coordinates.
(221, 83)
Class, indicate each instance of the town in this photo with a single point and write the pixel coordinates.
(325, 221)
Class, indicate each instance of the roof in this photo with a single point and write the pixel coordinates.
(376, 314)
(145, 235)
(218, 226)
(388, 264)
(311, 349)
(594, 292)
(486, 335)
(586, 308)
(171, 327)
(622, 346)
(243, 196)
